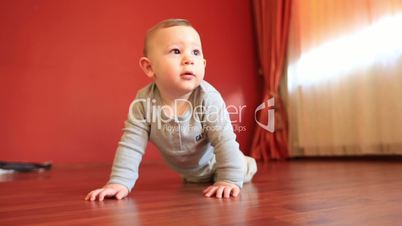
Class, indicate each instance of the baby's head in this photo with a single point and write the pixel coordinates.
(173, 57)
(163, 24)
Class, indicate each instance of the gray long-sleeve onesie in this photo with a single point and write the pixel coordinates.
(189, 144)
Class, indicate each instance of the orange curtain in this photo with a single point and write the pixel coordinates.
(272, 27)
(344, 77)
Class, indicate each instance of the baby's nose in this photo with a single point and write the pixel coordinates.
(188, 60)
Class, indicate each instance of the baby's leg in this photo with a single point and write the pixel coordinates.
(205, 175)
(250, 169)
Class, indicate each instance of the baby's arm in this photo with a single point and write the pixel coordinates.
(110, 190)
(229, 159)
(128, 156)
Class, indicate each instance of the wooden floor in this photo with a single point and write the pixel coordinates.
(283, 193)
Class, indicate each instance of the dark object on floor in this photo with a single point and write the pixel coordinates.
(25, 166)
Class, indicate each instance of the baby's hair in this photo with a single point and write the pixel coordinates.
(163, 24)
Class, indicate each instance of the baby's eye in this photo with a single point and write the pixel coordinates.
(175, 51)
(196, 52)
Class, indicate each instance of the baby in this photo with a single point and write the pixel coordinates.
(183, 115)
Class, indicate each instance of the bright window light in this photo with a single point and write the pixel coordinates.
(378, 43)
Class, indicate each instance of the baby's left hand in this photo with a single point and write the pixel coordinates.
(222, 189)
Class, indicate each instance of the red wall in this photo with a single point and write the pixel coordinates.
(68, 71)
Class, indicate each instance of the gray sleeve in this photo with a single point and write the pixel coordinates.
(131, 146)
(229, 158)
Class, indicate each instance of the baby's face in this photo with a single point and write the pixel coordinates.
(177, 59)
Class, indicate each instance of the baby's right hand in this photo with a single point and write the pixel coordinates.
(110, 190)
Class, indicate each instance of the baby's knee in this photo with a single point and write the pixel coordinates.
(250, 168)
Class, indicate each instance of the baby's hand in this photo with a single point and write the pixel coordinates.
(109, 190)
(222, 189)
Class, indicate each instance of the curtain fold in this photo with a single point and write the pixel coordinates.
(272, 20)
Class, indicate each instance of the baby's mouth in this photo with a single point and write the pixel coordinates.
(187, 75)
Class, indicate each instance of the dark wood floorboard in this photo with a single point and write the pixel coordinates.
(283, 193)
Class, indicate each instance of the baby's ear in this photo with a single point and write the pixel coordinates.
(146, 66)
(205, 63)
